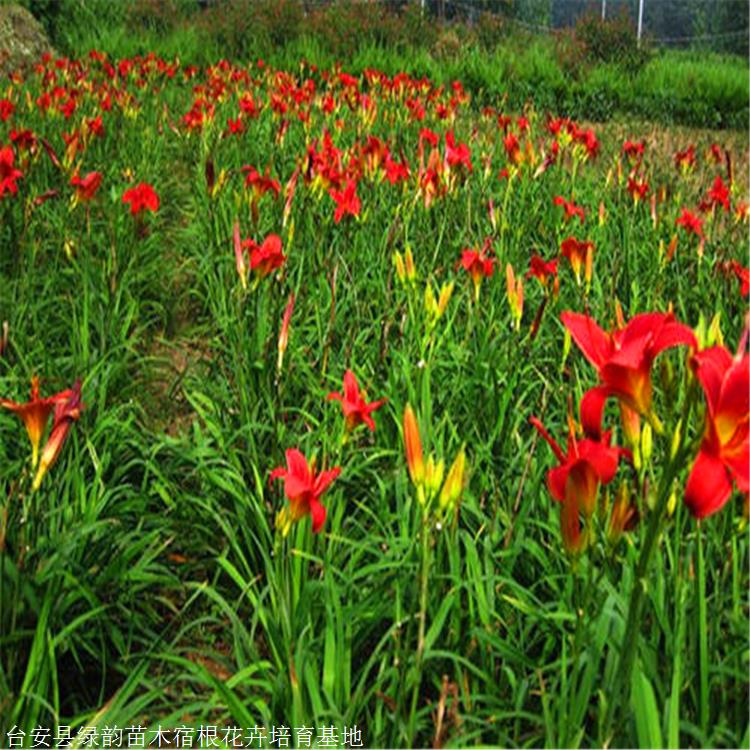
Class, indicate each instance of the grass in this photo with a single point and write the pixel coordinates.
(146, 583)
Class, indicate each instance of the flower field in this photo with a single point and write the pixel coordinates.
(346, 403)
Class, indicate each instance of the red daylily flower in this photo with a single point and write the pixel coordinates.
(478, 264)
(544, 271)
(428, 136)
(575, 482)
(456, 154)
(266, 258)
(742, 273)
(141, 197)
(718, 195)
(685, 159)
(67, 411)
(693, 224)
(86, 187)
(7, 108)
(347, 201)
(724, 455)
(639, 190)
(571, 209)
(589, 141)
(395, 171)
(303, 489)
(633, 150)
(260, 183)
(95, 126)
(24, 140)
(35, 414)
(356, 409)
(579, 253)
(8, 173)
(513, 148)
(235, 127)
(623, 360)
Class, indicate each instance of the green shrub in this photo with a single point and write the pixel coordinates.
(594, 41)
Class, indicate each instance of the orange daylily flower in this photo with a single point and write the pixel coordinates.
(67, 411)
(35, 414)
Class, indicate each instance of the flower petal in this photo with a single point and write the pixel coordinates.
(592, 410)
(318, 515)
(710, 366)
(591, 339)
(324, 479)
(708, 487)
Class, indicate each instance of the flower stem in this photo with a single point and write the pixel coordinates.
(700, 595)
(632, 627)
(633, 623)
(422, 620)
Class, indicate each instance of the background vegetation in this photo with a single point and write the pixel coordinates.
(594, 71)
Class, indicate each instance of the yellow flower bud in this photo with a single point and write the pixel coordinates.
(454, 482)
(647, 443)
(446, 291)
(398, 261)
(434, 475)
(411, 270)
(430, 304)
(714, 336)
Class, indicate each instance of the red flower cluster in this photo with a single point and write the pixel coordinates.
(141, 198)
(8, 173)
(86, 187)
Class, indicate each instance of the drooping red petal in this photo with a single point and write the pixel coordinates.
(591, 339)
(708, 487)
(324, 479)
(644, 325)
(710, 366)
(557, 478)
(278, 473)
(602, 458)
(552, 442)
(592, 410)
(318, 515)
(672, 334)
